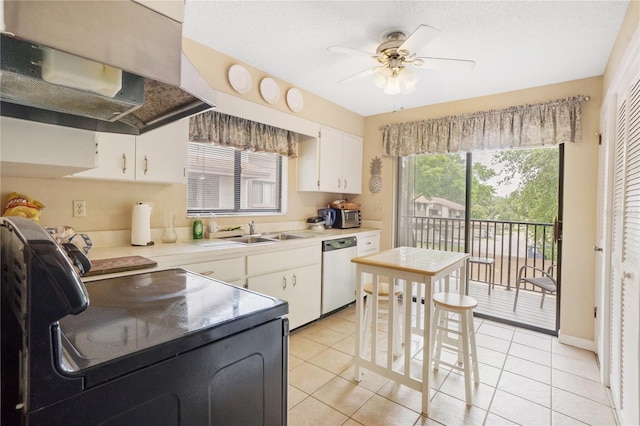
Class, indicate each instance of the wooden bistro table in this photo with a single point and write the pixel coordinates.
(415, 271)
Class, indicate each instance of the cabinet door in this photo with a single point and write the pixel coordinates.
(330, 161)
(116, 157)
(161, 154)
(300, 287)
(351, 165)
(304, 293)
(368, 244)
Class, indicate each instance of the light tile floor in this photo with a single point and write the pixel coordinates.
(526, 378)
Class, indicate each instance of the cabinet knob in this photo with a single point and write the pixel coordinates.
(295, 280)
(345, 184)
(207, 272)
(124, 163)
(284, 282)
(146, 164)
(339, 183)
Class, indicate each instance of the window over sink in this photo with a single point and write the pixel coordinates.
(226, 180)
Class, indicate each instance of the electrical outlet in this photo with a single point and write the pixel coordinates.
(379, 208)
(79, 208)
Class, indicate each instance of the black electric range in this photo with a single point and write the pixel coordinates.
(164, 347)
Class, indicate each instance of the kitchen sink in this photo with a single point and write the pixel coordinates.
(284, 236)
(251, 239)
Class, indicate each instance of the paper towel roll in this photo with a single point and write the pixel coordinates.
(141, 225)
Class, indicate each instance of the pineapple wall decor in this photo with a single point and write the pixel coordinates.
(375, 183)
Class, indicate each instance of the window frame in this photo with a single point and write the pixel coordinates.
(281, 184)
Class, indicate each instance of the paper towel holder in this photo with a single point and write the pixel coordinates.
(141, 224)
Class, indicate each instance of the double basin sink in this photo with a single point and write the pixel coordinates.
(272, 238)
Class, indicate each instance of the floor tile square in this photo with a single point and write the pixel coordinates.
(584, 367)
(530, 354)
(481, 394)
(525, 388)
(580, 386)
(343, 395)
(529, 369)
(332, 360)
(519, 410)
(380, 411)
(581, 408)
(304, 348)
(313, 412)
(309, 378)
(448, 410)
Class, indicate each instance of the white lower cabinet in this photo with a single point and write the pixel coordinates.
(368, 243)
(291, 275)
(300, 287)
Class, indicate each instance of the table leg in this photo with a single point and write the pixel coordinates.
(428, 349)
(359, 336)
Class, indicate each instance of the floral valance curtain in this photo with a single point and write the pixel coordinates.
(525, 126)
(226, 130)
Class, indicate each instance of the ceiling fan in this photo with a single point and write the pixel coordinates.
(395, 53)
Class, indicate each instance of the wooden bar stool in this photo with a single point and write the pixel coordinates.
(383, 295)
(456, 332)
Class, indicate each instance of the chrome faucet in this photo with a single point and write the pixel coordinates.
(252, 228)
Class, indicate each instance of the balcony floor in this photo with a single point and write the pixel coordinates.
(500, 305)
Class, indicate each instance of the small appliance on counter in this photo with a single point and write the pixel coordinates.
(347, 219)
(329, 216)
(141, 225)
(315, 223)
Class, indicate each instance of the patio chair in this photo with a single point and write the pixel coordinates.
(546, 282)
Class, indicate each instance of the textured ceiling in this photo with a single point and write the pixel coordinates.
(516, 44)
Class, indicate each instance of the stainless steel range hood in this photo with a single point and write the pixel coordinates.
(158, 83)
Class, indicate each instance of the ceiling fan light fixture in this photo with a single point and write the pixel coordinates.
(393, 85)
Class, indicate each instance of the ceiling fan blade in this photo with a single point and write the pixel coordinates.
(360, 75)
(350, 51)
(421, 36)
(443, 63)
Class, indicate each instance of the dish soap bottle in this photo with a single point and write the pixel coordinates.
(197, 229)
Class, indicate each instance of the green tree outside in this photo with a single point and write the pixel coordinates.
(535, 170)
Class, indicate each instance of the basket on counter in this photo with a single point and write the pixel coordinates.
(345, 205)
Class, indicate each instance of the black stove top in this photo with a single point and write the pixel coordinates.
(139, 319)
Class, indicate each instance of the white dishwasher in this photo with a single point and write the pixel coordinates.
(338, 273)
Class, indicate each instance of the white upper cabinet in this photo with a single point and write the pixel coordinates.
(116, 157)
(31, 149)
(159, 156)
(330, 163)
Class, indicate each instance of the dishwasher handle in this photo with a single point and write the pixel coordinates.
(339, 244)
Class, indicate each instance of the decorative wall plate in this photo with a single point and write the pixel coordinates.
(269, 90)
(240, 79)
(295, 100)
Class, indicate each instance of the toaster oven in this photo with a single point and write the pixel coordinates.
(347, 219)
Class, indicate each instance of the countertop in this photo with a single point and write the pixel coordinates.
(412, 259)
(167, 255)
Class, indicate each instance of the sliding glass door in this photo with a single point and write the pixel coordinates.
(499, 207)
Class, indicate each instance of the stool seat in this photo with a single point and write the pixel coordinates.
(383, 289)
(454, 301)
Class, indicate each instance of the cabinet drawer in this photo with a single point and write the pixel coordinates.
(225, 270)
(368, 244)
(282, 260)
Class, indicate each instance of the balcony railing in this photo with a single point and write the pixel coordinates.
(498, 248)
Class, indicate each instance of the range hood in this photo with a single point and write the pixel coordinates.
(145, 80)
